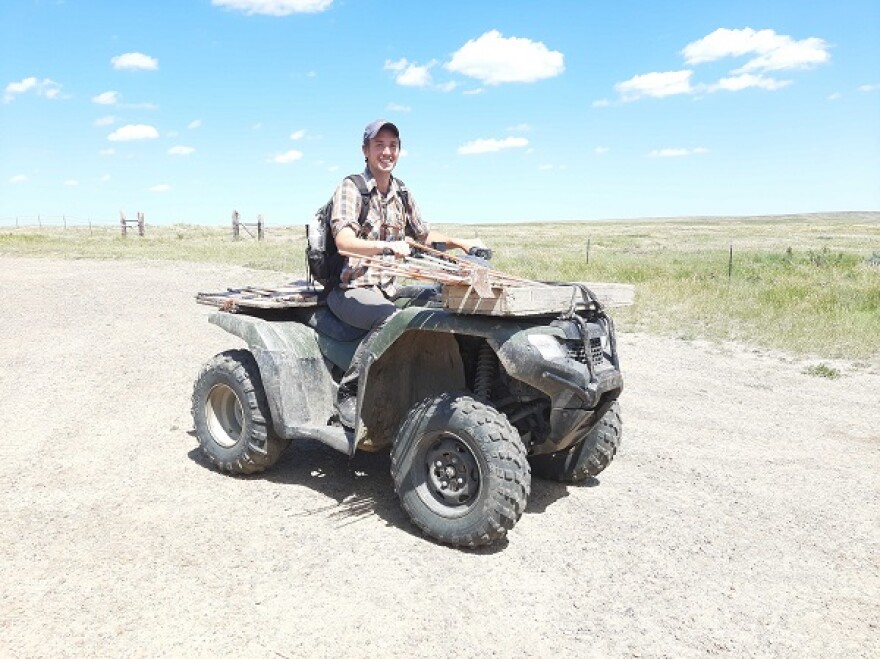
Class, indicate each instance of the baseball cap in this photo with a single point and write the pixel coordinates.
(373, 129)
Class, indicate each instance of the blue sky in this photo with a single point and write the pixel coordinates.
(508, 110)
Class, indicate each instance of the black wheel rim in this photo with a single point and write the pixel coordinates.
(452, 476)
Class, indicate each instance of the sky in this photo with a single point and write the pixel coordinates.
(509, 111)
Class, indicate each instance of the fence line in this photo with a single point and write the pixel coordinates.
(52, 221)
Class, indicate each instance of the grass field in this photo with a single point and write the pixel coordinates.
(808, 284)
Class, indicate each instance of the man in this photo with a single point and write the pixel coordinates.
(363, 296)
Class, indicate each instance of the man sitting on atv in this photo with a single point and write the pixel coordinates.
(362, 297)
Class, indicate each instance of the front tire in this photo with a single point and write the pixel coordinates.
(231, 415)
(460, 470)
(586, 458)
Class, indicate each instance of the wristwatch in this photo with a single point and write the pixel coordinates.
(387, 251)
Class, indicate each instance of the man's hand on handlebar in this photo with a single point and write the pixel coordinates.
(481, 252)
(396, 248)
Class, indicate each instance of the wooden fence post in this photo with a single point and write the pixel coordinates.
(730, 264)
(140, 224)
(588, 250)
(259, 227)
(235, 235)
(122, 222)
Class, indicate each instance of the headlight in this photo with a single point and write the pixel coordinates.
(548, 346)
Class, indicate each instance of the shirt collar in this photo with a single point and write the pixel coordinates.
(371, 182)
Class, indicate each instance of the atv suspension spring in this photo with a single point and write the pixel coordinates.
(485, 372)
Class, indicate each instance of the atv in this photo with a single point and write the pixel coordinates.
(470, 405)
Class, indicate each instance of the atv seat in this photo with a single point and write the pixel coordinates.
(323, 321)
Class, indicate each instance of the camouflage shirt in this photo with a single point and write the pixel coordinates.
(386, 220)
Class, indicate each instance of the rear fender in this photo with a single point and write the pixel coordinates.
(297, 381)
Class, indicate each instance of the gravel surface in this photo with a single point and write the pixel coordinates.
(739, 518)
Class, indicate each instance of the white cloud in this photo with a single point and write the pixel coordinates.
(46, 87)
(601, 150)
(448, 86)
(71, 183)
(287, 157)
(396, 107)
(104, 121)
(131, 132)
(298, 134)
(868, 88)
(18, 178)
(194, 124)
(793, 55)
(107, 152)
(677, 153)
(473, 92)
(494, 59)
(655, 85)
(162, 187)
(106, 98)
(105, 178)
(492, 145)
(410, 74)
(519, 128)
(275, 7)
(135, 62)
(180, 150)
(774, 51)
(601, 103)
(835, 96)
(746, 80)
(729, 43)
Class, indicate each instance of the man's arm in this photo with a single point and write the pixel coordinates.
(347, 241)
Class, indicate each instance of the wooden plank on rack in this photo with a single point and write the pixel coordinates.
(531, 300)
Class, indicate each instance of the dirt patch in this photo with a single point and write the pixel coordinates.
(741, 516)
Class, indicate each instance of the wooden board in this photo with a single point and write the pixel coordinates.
(532, 299)
(294, 294)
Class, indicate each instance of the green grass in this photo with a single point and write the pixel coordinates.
(805, 284)
(823, 371)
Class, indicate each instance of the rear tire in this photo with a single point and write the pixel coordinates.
(586, 458)
(231, 415)
(460, 470)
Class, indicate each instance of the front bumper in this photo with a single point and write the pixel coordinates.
(580, 383)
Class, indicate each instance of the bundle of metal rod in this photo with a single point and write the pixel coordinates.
(413, 268)
(502, 278)
(432, 265)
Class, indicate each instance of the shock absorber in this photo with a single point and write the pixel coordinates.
(485, 372)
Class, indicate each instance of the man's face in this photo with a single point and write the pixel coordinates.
(382, 151)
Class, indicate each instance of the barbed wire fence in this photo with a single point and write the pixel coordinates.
(56, 222)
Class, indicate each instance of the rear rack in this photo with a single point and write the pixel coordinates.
(294, 294)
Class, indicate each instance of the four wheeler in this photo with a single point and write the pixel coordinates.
(470, 405)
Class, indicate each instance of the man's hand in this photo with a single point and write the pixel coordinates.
(396, 248)
(481, 252)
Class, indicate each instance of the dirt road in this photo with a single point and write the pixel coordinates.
(741, 517)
